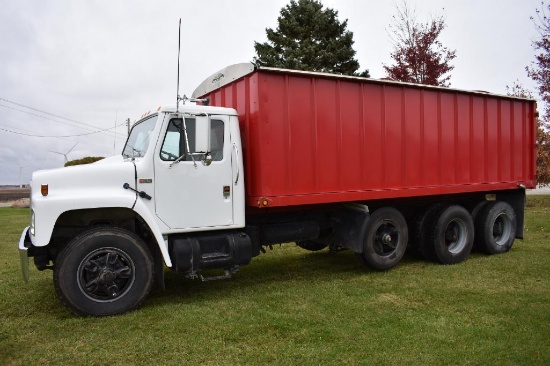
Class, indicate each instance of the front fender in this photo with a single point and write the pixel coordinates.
(50, 211)
(47, 210)
(141, 209)
(89, 186)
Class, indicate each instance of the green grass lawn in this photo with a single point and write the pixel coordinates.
(295, 307)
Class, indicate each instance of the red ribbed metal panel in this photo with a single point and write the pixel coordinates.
(310, 139)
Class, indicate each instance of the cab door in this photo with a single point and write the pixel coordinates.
(189, 193)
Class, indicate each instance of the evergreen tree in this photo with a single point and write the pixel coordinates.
(310, 38)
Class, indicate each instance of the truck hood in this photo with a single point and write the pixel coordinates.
(56, 191)
(92, 179)
(111, 159)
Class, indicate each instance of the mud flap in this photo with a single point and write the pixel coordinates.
(350, 228)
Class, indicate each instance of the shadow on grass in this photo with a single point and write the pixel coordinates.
(275, 270)
(293, 268)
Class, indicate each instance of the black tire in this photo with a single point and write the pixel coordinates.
(477, 209)
(103, 271)
(450, 235)
(474, 213)
(312, 246)
(496, 228)
(386, 238)
(418, 231)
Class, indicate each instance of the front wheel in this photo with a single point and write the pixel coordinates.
(385, 240)
(103, 271)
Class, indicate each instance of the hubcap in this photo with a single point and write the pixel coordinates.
(455, 236)
(106, 274)
(502, 229)
(386, 238)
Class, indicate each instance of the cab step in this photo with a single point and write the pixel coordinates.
(226, 275)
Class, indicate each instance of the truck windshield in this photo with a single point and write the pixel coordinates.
(138, 141)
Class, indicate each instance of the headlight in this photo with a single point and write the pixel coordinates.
(32, 222)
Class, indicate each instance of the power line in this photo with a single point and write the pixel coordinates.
(49, 114)
(44, 112)
(50, 119)
(82, 134)
(95, 145)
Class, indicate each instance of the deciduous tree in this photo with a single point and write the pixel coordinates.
(419, 56)
(543, 152)
(309, 37)
(539, 71)
(543, 135)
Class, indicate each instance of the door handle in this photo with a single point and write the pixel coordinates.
(237, 157)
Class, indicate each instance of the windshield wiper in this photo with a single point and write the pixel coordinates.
(183, 156)
(135, 153)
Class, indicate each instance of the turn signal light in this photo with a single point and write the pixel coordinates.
(44, 189)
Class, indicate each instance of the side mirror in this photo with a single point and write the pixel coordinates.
(202, 134)
(207, 160)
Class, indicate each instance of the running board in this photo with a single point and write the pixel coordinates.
(226, 275)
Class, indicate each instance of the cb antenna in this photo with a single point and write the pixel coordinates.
(178, 91)
(204, 101)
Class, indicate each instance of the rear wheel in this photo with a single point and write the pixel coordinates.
(385, 240)
(450, 235)
(495, 228)
(477, 209)
(475, 213)
(104, 271)
(418, 237)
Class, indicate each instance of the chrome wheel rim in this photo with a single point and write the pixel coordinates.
(455, 236)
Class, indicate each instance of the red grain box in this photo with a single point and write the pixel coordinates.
(312, 138)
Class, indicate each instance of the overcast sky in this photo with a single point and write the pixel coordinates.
(73, 67)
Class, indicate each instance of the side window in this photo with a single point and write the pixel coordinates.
(216, 139)
(174, 144)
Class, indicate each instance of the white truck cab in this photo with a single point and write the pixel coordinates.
(180, 172)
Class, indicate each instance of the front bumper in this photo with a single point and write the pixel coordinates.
(24, 244)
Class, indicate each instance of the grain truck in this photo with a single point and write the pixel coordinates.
(261, 156)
